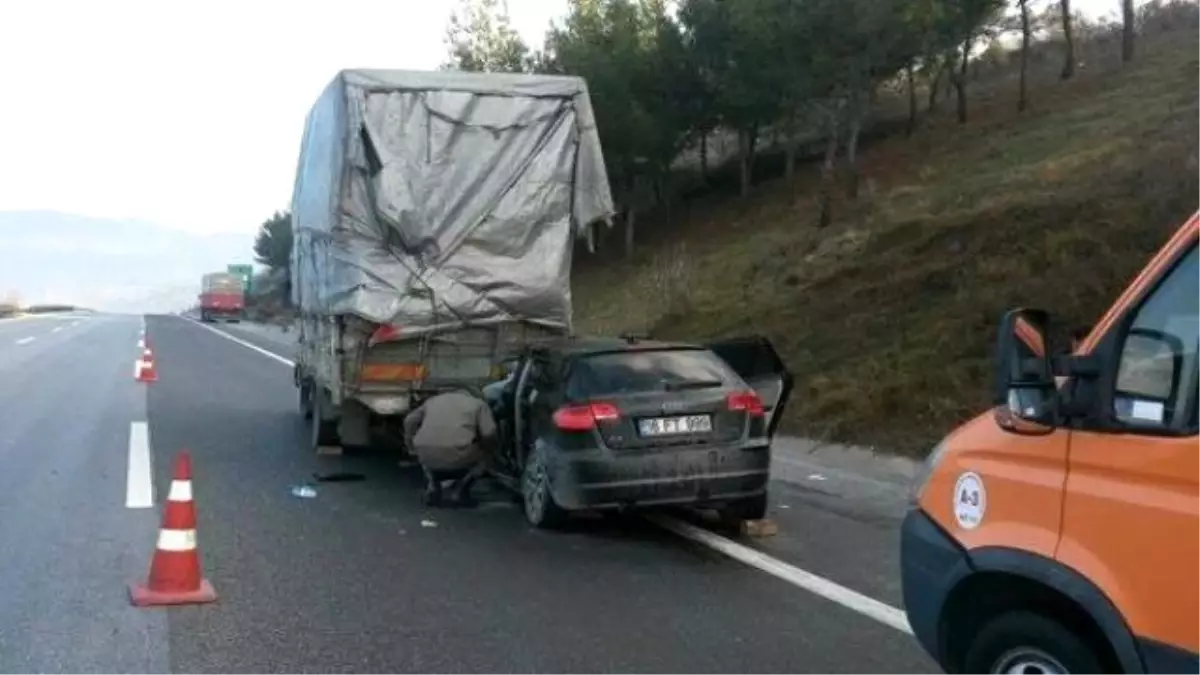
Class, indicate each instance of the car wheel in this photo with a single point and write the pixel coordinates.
(750, 508)
(540, 508)
(1026, 642)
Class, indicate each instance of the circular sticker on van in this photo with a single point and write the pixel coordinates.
(970, 500)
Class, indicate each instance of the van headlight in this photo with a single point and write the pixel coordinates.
(918, 483)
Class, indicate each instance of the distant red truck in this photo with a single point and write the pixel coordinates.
(221, 297)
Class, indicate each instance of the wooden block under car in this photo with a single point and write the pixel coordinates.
(760, 528)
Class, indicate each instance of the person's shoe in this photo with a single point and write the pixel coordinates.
(432, 498)
(465, 500)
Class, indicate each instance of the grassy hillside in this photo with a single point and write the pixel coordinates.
(887, 317)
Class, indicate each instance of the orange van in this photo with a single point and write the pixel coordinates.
(1058, 531)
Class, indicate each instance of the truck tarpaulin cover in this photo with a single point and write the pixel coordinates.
(470, 186)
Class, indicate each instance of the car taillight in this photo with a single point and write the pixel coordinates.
(584, 417)
(747, 402)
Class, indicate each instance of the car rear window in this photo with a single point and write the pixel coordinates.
(642, 371)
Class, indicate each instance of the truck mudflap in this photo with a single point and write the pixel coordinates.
(755, 359)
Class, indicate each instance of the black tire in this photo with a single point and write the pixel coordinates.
(750, 508)
(306, 398)
(1040, 642)
(537, 499)
(324, 429)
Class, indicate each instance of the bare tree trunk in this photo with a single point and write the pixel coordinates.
(1023, 100)
(663, 188)
(630, 212)
(825, 195)
(934, 85)
(630, 217)
(1127, 30)
(912, 100)
(857, 112)
(1068, 70)
(960, 80)
(789, 162)
(704, 156)
(747, 139)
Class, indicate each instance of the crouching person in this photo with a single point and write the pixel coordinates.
(453, 436)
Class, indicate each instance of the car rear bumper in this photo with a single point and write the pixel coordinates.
(597, 479)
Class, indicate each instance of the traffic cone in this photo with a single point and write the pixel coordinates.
(175, 577)
(143, 370)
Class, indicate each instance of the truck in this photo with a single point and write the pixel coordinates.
(221, 297)
(434, 219)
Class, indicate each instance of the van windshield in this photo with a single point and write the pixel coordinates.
(644, 371)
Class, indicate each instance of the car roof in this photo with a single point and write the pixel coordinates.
(578, 346)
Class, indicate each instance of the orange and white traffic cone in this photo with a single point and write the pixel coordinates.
(143, 370)
(175, 577)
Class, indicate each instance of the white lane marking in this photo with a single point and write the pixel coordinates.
(260, 350)
(24, 341)
(139, 487)
(869, 607)
(851, 599)
(56, 329)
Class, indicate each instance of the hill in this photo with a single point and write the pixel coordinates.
(57, 258)
(887, 316)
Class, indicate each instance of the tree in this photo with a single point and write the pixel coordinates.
(1026, 38)
(735, 47)
(1128, 19)
(480, 38)
(598, 41)
(273, 244)
(1068, 70)
(961, 24)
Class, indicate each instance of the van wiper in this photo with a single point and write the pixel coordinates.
(694, 384)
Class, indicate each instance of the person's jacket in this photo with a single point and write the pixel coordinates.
(451, 431)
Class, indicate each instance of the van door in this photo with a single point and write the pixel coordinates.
(755, 359)
(1130, 520)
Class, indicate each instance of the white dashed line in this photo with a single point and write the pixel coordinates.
(56, 329)
(25, 341)
(848, 598)
(139, 488)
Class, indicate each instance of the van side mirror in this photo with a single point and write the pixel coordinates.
(1025, 392)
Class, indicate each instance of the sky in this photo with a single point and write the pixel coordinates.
(185, 114)
(189, 115)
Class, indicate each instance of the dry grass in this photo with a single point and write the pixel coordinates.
(888, 316)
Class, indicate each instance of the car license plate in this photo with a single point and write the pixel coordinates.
(668, 426)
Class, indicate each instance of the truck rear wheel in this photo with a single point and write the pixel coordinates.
(306, 398)
(323, 424)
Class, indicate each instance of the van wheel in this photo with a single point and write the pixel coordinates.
(1026, 642)
(540, 508)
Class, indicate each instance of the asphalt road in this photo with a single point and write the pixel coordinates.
(356, 579)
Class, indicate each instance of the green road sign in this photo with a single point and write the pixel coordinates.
(246, 272)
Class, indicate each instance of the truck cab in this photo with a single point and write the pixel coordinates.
(1058, 531)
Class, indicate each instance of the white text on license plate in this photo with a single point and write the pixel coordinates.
(663, 426)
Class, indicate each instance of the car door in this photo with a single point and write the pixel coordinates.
(1130, 510)
(754, 358)
(534, 391)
